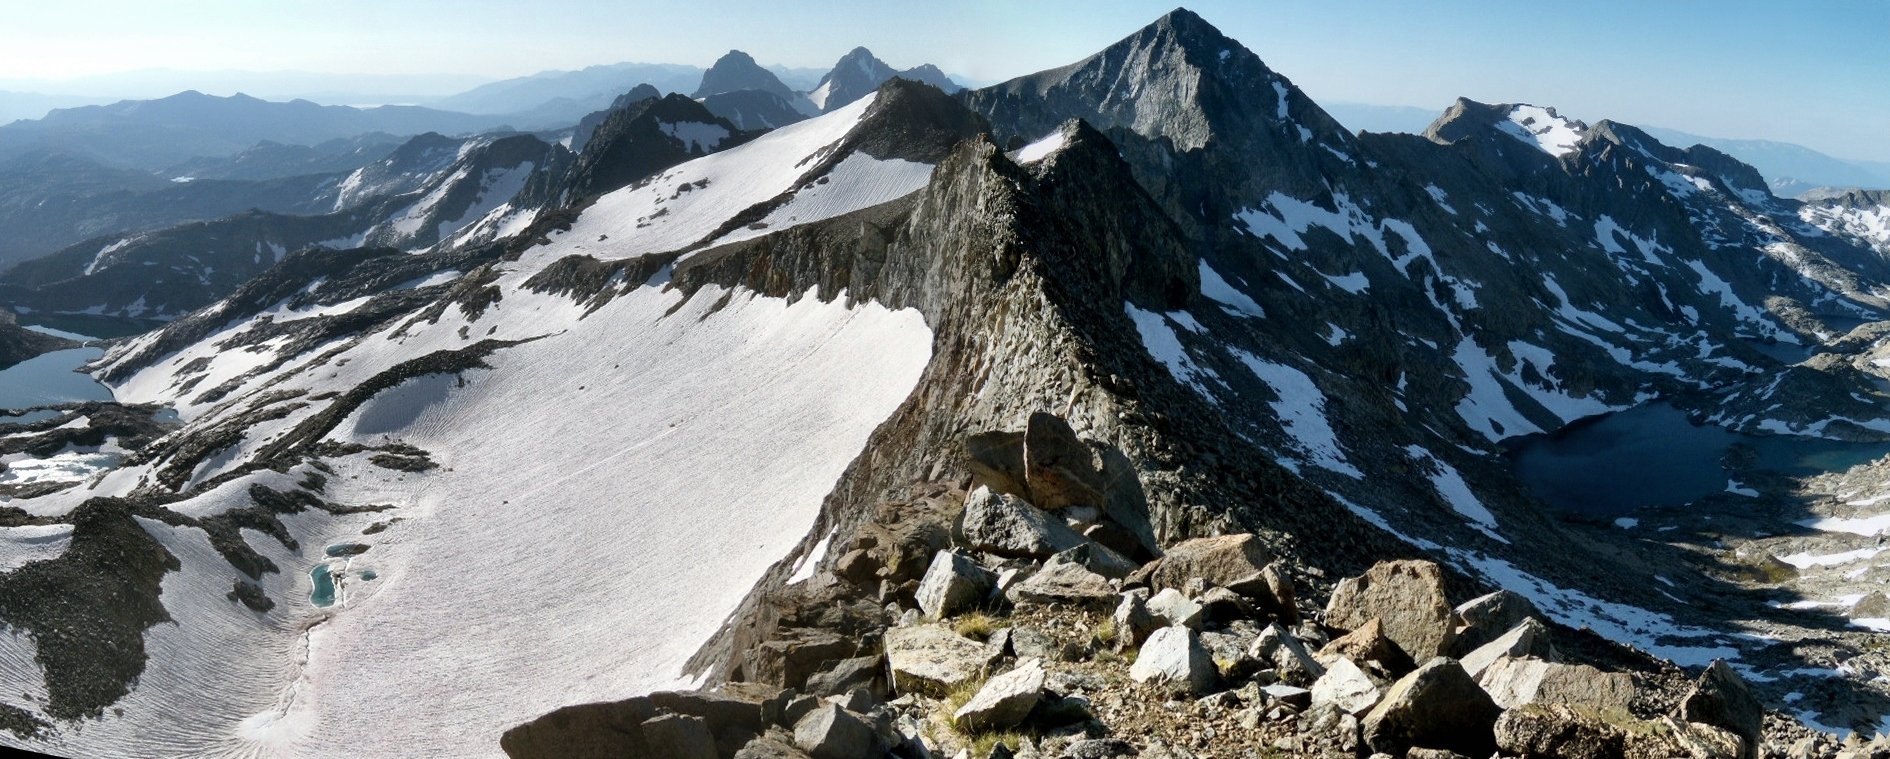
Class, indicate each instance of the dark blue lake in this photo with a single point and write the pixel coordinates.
(51, 378)
(1652, 455)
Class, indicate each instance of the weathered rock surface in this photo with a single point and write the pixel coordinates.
(1368, 644)
(1287, 654)
(1528, 639)
(1058, 468)
(1006, 525)
(1437, 706)
(1346, 687)
(1175, 656)
(1484, 618)
(831, 732)
(1407, 597)
(1004, 701)
(1062, 582)
(954, 583)
(1556, 731)
(1132, 619)
(1720, 698)
(680, 736)
(1514, 682)
(930, 657)
(1173, 608)
(996, 460)
(1235, 562)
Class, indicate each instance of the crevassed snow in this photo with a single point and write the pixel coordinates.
(1036, 151)
(1301, 408)
(1219, 290)
(577, 475)
(29, 543)
(659, 215)
(1542, 128)
(859, 181)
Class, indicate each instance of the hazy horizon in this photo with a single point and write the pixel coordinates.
(1807, 74)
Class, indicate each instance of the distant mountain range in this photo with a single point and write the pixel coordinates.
(1790, 169)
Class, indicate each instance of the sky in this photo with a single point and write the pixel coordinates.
(1813, 72)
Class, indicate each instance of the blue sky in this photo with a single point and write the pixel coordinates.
(1815, 72)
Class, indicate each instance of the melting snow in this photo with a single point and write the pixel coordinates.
(1301, 409)
(1038, 150)
(1219, 290)
(1543, 128)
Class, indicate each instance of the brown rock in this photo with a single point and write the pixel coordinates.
(1059, 470)
(1368, 644)
(1436, 706)
(1407, 597)
(1235, 562)
(996, 460)
(1720, 698)
(1514, 682)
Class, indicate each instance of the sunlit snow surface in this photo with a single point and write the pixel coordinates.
(606, 494)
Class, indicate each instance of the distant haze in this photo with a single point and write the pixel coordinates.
(1807, 73)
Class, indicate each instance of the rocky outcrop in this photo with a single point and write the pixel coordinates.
(1407, 598)
(1437, 706)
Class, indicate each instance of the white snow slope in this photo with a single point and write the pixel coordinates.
(606, 495)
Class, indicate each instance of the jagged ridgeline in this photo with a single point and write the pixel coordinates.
(694, 399)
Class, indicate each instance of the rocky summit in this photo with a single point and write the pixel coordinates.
(1132, 408)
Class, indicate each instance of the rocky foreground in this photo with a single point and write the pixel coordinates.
(1006, 617)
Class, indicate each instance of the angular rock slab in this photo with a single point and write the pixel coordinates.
(1175, 655)
(1530, 639)
(1171, 608)
(1058, 468)
(997, 461)
(1437, 706)
(1235, 562)
(1484, 618)
(1720, 698)
(1407, 597)
(1004, 701)
(831, 732)
(1346, 687)
(1515, 682)
(1065, 583)
(954, 583)
(1006, 525)
(930, 657)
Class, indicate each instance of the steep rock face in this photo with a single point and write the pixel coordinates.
(644, 137)
(587, 126)
(471, 200)
(737, 70)
(753, 109)
(859, 72)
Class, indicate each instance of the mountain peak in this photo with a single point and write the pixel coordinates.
(737, 70)
(1540, 127)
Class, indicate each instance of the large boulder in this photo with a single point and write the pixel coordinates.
(1006, 525)
(932, 658)
(996, 460)
(1514, 682)
(1282, 599)
(1058, 468)
(1720, 698)
(1553, 731)
(954, 583)
(1558, 731)
(1067, 583)
(1004, 701)
(1099, 559)
(1528, 639)
(1407, 597)
(1437, 706)
(1484, 618)
(1235, 562)
(1347, 688)
(831, 732)
(680, 736)
(1175, 656)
